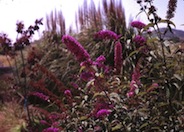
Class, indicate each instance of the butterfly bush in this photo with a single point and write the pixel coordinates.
(118, 57)
(138, 24)
(135, 81)
(76, 48)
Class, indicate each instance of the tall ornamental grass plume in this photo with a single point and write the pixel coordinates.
(76, 48)
(118, 57)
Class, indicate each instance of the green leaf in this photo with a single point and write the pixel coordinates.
(144, 125)
(161, 104)
(152, 40)
(82, 118)
(167, 21)
(117, 127)
(148, 26)
(81, 69)
(178, 77)
(156, 128)
(98, 94)
(132, 53)
(142, 93)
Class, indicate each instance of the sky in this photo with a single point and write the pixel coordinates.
(27, 11)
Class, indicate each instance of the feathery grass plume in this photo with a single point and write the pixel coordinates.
(55, 25)
(172, 5)
(89, 17)
(110, 15)
(114, 16)
(76, 48)
(118, 57)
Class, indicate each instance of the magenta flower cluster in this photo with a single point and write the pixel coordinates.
(68, 93)
(118, 57)
(139, 40)
(76, 48)
(138, 24)
(106, 34)
(103, 112)
(99, 62)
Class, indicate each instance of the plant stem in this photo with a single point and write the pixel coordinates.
(25, 87)
(17, 72)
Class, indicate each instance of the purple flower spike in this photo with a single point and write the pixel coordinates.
(118, 57)
(87, 76)
(106, 34)
(76, 48)
(138, 24)
(139, 40)
(41, 96)
(99, 62)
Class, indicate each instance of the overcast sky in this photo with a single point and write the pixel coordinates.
(27, 11)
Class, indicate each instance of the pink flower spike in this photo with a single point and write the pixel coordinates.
(139, 40)
(118, 57)
(76, 48)
(41, 95)
(133, 86)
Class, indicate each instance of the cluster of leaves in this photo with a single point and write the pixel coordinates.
(133, 83)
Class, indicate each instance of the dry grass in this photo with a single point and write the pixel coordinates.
(11, 117)
(5, 61)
